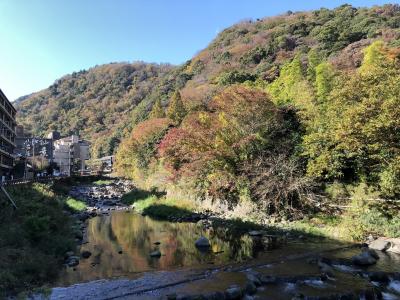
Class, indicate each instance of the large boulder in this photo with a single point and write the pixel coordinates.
(380, 244)
(394, 245)
(386, 244)
(202, 242)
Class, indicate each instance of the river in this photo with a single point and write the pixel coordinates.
(121, 267)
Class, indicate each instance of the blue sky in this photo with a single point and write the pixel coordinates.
(42, 40)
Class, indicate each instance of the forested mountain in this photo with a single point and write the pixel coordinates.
(280, 110)
(270, 111)
(98, 103)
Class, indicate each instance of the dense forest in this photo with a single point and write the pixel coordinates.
(99, 104)
(273, 114)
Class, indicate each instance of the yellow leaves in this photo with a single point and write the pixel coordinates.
(376, 55)
(204, 119)
(222, 118)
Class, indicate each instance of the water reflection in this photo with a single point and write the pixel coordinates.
(121, 242)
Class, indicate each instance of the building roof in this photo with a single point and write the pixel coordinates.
(4, 97)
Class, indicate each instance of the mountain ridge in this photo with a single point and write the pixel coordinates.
(105, 102)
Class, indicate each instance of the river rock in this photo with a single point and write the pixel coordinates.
(171, 296)
(202, 242)
(254, 279)
(86, 254)
(366, 258)
(255, 233)
(233, 292)
(268, 279)
(73, 261)
(83, 216)
(69, 253)
(394, 245)
(155, 253)
(380, 244)
(214, 296)
(379, 276)
(251, 288)
(325, 269)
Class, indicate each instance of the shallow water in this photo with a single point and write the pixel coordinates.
(121, 243)
(135, 236)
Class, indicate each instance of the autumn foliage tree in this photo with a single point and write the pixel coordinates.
(176, 110)
(137, 151)
(213, 146)
(157, 110)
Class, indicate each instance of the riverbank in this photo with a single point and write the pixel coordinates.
(319, 271)
(91, 205)
(35, 237)
(358, 220)
(300, 262)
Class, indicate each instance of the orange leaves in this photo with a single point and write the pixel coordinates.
(148, 128)
(209, 142)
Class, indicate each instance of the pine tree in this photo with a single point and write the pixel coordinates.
(157, 110)
(176, 110)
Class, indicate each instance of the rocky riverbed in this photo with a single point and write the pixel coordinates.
(325, 274)
(105, 197)
(191, 258)
(100, 200)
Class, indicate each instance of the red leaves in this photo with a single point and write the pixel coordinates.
(148, 128)
(212, 142)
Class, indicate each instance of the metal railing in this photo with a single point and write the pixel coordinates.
(25, 181)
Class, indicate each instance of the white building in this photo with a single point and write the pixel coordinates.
(70, 151)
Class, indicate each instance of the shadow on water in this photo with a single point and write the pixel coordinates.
(121, 244)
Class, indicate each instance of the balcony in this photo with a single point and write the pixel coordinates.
(7, 135)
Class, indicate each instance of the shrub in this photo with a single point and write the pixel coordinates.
(33, 238)
(233, 77)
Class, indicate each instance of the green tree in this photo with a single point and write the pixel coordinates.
(314, 59)
(291, 87)
(374, 57)
(157, 111)
(176, 110)
(355, 135)
(324, 75)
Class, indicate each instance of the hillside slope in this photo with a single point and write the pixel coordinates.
(281, 114)
(100, 102)
(97, 103)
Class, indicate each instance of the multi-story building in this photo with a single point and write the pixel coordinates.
(7, 135)
(29, 146)
(69, 152)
